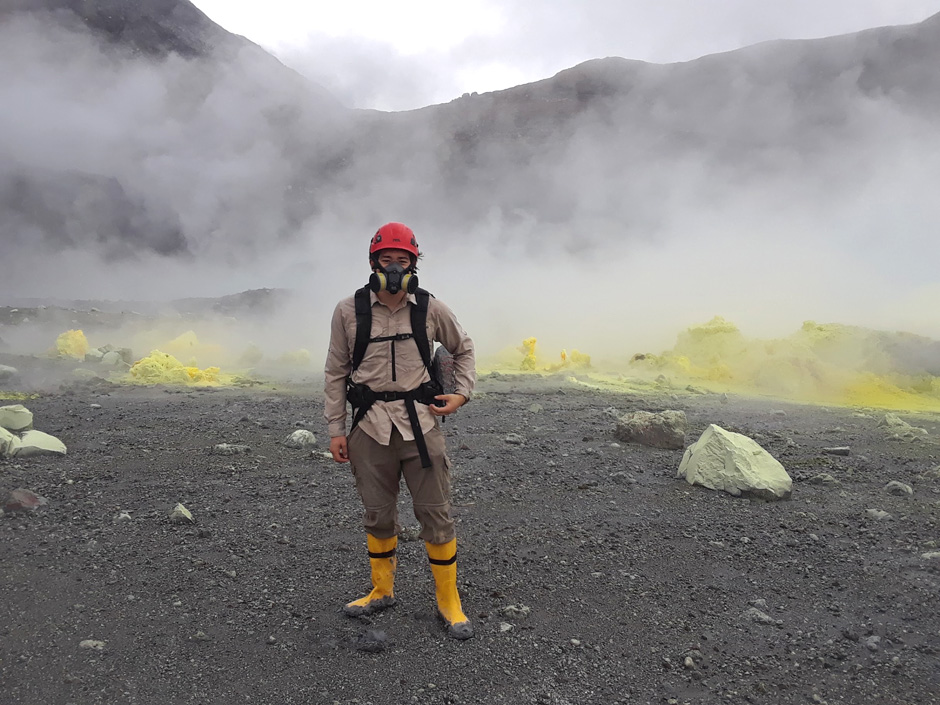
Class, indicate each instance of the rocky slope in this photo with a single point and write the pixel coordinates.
(592, 573)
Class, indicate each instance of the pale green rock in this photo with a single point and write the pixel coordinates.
(181, 515)
(723, 460)
(9, 443)
(16, 417)
(39, 443)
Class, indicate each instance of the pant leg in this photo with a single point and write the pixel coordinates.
(429, 487)
(377, 471)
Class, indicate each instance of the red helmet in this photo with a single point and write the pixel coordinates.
(394, 236)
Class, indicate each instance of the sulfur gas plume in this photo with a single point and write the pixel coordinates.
(599, 210)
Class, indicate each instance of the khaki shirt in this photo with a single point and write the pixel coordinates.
(384, 372)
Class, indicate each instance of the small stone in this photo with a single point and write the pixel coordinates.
(201, 636)
(23, 500)
(899, 489)
(576, 642)
(514, 439)
(688, 663)
(519, 611)
(505, 627)
(92, 644)
(930, 555)
(181, 515)
(755, 615)
(872, 642)
(836, 450)
(823, 478)
(535, 408)
(878, 514)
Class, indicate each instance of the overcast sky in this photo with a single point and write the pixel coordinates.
(412, 53)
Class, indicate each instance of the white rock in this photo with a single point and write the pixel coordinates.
(300, 439)
(112, 359)
(16, 417)
(92, 644)
(39, 443)
(878, 514)
(723, 460)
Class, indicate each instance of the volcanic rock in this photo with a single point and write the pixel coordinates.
(300, 439)
(723, 460)
(39, 443)
(7, 372)
(181, 515)
(9, 443)
(23, 500)
(663, 430)
(901, 429)
(16, 417)
(899, 489)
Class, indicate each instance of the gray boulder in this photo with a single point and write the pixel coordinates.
(7, 372)
(723, 460)
(666, 429)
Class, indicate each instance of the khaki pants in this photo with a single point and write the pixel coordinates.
(378, 471)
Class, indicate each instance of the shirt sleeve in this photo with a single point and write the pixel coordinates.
(338, 367)
(455, 339)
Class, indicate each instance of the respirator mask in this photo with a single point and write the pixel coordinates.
(393, 278)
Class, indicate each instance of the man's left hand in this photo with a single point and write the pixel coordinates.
(453, 402)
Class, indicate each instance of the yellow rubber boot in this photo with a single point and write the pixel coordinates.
(443, 558)
(383, 558)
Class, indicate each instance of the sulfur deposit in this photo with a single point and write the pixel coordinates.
(163, 368)
(828, 363)
(72, 344)
(530, 361)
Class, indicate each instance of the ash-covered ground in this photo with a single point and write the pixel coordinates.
(593, 574)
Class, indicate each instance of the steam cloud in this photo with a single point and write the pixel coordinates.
(602, 210)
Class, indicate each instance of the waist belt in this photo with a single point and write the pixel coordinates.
(361, 397)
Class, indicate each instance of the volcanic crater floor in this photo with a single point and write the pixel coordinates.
(592, 574)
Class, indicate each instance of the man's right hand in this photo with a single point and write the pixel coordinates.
(339, 449)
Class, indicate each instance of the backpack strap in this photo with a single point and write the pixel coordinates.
(363, 325)
(419, 326)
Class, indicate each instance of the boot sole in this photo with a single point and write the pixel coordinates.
(371, 608)
(460, 631)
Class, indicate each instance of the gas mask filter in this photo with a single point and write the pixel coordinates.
(393, 279)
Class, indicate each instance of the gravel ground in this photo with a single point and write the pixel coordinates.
(593, 574)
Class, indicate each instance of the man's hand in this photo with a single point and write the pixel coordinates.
(339, 449)
(453, 402)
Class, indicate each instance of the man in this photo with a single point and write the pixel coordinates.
(385, 376)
